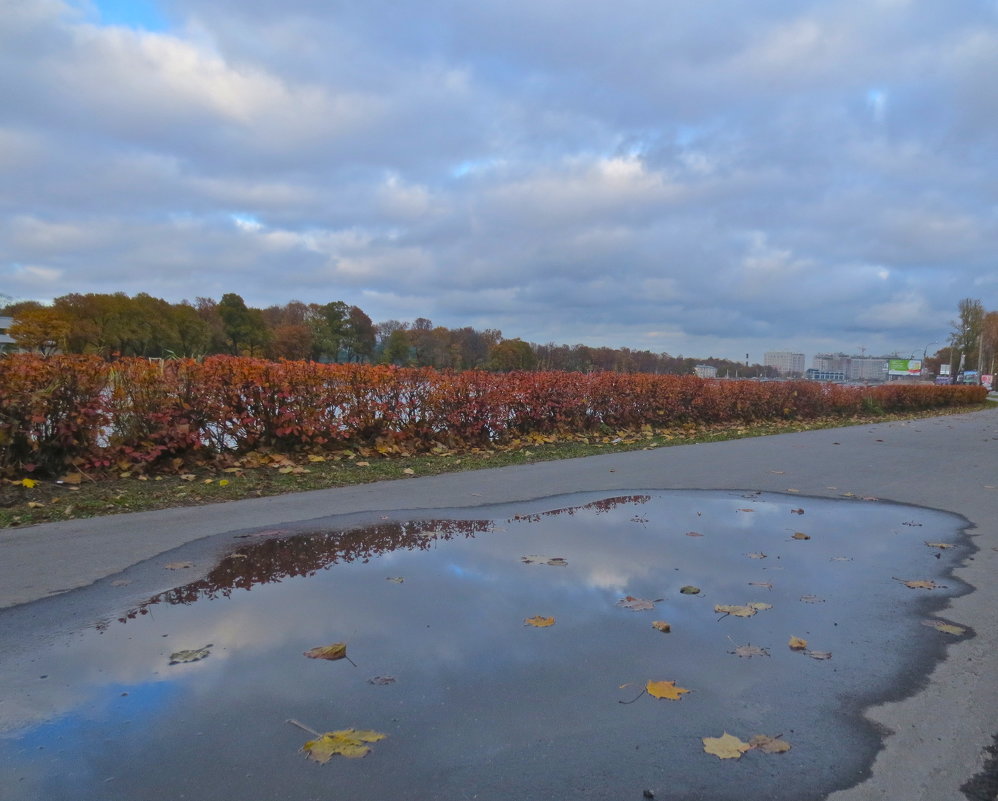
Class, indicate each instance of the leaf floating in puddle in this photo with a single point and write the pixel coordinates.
(381, 681)
(666, 690)
(759, 606)
(941, 545)
(748, 651)
(636, 604)
(395, 579)
(338, 650)
(538, 621)
(351, 743)
(662, 626)
(921, 584)
(756, 555)
(797, 644)
(727, 746)
(947, 628)
(689, 589)
(553, 561)
(819, 655)
(178, 565)
(193, 655)
(737, 611)
(746, 510)
(800, 535)
(769, 745)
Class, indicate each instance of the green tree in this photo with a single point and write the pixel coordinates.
(966, 334)
(511, 354)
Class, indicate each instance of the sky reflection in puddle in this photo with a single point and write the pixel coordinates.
(483, 706)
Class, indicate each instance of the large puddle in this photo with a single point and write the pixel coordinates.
(476, 704)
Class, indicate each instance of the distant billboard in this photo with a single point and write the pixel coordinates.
(904, 367)
(944, 369)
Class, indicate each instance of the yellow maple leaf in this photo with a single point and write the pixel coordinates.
(538, 621)
(727, 746)
(351, 743)
(30, 483)
(797, 644)
(665, 689)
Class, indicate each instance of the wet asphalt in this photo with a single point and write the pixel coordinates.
(938, 743)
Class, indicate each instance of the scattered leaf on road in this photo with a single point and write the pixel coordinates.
(538, 621)
(737, 611)
(338, 650)
(800, 535)
(381, 680)
(797, 644)
(748, 651)
(395, 579)
(948, 628)
(689, 589)
(921, 584)
(820, 655)
(766, 584)
(756, 555)
(759, 606)
(940, 545)
(769, 745)
(662, 626)
(193, 655)
(726, 746)
(666, 690)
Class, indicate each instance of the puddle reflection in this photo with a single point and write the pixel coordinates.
(482, 705)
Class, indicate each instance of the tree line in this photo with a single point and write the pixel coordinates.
(116, 325)
(973, 340)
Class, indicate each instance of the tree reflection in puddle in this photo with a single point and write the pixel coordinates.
(481, 705)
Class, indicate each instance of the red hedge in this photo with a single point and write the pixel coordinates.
(79, 410)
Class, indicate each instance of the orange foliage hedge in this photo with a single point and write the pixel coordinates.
(81, 411)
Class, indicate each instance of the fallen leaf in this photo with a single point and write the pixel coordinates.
(316, 459)
(737, 611)
(793, 490)
(30, 483)
(812, 599)
(35, 505)
(350, 743)
(940, 545)
(72, 478)
(796, 511)
(759, 606)
(797, 644)
(756, 555)
(208, 481)
(338, 650)
(748, 651)
(362, 464)
(187, 477)
(726, 746)
(178, 565)
(820, 655)
(769, 745)
(948, 628)
(635, 604)
(921, 584)
(409, 471)
(662, 626)
(665, 689)
(193, 655)
(396, 579)
(224, 482)
(381, 680)
(689, 589)
(538, 621)
(767, 584)
(534, 559)
(746, 510)
(800, 535)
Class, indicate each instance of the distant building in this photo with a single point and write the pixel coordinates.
(856, 368)
(6, 341)
(814, 374)
(785, 362)
(705, 371)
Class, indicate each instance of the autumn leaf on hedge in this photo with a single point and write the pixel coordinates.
(666, 690)
(921, 584)
(350, 743)
(538, 621)
(192, 655)
(948, 628)
(727, 746)
(769, 745)
(636, 604)
(797, 644)
(662, 626)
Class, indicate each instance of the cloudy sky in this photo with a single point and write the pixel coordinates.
(701, 178)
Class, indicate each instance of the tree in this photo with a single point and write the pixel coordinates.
(966, 334)
(511, 354)
(244, 327)
(42, 329)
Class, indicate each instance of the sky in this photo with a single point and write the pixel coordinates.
(702, 179)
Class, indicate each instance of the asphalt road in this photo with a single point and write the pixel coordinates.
(935, 741)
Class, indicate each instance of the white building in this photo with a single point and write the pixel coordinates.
(785, 361)
(6, 342)
(705, 371)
